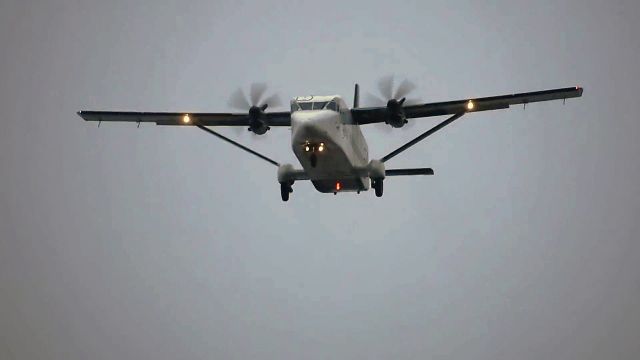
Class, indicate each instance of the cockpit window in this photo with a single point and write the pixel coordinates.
(319, 105)
(305, 105)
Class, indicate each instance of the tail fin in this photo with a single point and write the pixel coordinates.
(356, 97)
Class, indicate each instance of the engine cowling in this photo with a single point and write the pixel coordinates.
(395, 113)
(257, 121)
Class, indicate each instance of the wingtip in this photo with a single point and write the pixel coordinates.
(82, 115)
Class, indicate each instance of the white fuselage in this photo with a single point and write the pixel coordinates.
(339, 148)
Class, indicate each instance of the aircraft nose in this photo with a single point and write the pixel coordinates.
(311, 116)
(311, 124)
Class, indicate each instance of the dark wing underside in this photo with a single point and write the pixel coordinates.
(185, 118)
(379, 114)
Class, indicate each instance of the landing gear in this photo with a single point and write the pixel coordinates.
(377, 186)
(285, 190)
(313, 149)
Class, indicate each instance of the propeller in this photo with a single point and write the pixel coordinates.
(256, 103)
(240, 101)
(394, 98)
(386, 89)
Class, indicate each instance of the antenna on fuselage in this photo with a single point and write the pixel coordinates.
(356, 97)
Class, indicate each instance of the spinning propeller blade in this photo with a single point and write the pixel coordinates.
(240, 101)
(388, 91)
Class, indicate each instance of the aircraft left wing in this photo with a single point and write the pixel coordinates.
(380, 114)
(186, 118)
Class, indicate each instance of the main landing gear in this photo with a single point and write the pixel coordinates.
(285, 190)
(377, 185)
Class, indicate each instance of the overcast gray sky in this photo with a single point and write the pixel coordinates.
(165, 243)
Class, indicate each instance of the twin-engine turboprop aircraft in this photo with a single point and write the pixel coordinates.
(325, 133)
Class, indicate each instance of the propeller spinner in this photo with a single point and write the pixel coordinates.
(255, 104)
(394, 99)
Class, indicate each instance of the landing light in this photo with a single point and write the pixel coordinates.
(321, 147)
(307, 148)
(186, 119)
(470, 105)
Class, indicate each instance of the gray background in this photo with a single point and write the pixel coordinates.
(165, 243)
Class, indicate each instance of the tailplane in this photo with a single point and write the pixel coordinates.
(409, 172)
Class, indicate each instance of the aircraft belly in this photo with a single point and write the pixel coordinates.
(336, 164)
(332, 168)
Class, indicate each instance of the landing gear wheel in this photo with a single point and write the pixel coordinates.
(378, 187)
(285, 190)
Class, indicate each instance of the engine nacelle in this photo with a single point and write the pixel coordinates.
(395, 113)
(257, 121)
(376, 169)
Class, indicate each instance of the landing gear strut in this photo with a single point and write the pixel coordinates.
(377, 186)
(313, 159)
(285, 190)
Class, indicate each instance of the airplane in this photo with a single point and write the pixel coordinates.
(326, 136)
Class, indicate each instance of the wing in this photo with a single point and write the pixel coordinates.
(379, 114)
(185, 118)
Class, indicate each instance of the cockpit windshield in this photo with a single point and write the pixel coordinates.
(317, 105)
(306, 105)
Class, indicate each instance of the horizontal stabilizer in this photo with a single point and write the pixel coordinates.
(407, 172)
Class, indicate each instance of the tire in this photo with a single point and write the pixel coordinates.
(285, 190)
(378, 187)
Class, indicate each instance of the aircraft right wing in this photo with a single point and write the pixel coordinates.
(380, 114)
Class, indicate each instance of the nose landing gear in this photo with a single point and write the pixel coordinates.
(313, 159)
(313, 149)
